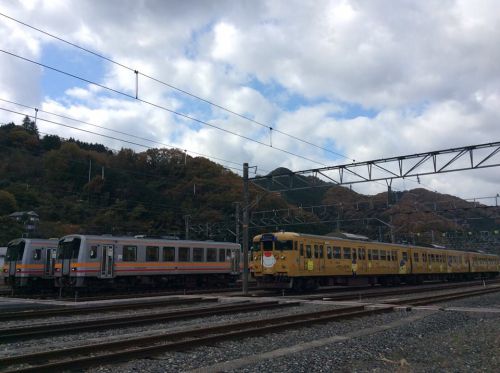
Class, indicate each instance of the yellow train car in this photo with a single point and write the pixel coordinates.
(304, 261)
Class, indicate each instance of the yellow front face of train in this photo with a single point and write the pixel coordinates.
(270, 255)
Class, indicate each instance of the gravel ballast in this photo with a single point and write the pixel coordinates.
(434, 341)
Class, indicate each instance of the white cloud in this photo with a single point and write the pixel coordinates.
(428, 70)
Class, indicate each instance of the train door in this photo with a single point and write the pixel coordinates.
(50, 260)
(362, 268)
(235, 260)
(321, 258)
(302, 260)
(107, 259)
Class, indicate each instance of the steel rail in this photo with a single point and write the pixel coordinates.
(70, 310)
(198, 336)
(44, 330)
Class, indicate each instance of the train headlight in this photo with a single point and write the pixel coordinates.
(18, 270)
(73, 269)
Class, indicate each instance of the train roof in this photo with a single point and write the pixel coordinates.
(34, 240)
(145, 239)
(320, 237)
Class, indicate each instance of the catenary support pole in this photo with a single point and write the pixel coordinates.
(245, 228)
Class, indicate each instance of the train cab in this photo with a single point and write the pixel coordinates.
(30, 262)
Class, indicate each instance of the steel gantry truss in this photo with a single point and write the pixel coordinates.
(387, 169)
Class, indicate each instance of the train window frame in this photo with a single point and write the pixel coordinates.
(301, 249)
(221, 257)
(308, 252)
(321, 252)
(37, 254)
(198, 254)
(337, 252)
(93, 252)
(286, 245)
(329, 252)
(155, 258)
(346, 253)
(375, 254)
(184, 257)
(382, 254)
(295, 245)
(211, 254)
(316, 252)
(166, 249)
(416, 257)
(362, 253)
(404, 255)
(129, 253)
(369, 254)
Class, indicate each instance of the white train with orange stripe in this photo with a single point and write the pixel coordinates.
(103, 261)
(29, 262)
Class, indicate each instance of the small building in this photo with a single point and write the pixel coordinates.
(29, 219)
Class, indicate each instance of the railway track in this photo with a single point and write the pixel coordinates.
(72, 310)
(50, 329)
(375, 293)
(110, 352)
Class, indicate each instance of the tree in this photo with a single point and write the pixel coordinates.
(30, 126)
(10, 230)
(8, 203)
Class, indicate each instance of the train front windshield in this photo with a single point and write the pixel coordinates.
(15, 251)
(68, 248)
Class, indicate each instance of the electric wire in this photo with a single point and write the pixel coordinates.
(173, 87)
(158, 106)
(120, 132)
(90, 132)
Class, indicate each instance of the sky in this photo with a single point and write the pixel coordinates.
(360, 80)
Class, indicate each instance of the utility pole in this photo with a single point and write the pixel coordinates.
(237, 220)
(186, 226)
(245, 228)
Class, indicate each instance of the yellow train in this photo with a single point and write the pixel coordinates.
(304, 261)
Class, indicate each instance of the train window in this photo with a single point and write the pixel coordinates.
(229, 254)
(329, 252)
(184, 254)
(354, 254)
(93, 252)
(129, 253)
(37, 254)
(415, 257)
(424, 257)
(308, 251)
(222, 255)
(295, 245)
(169, 254)
(268, 245)
(336, 252)
(383, 255)
(211, 254)
(321, 251)
(198, 254)
(284, 245)
(405, 256)
(362, 254)
(388, 256)
(152, 253)
(301, 249)
(375, 254)
(347, 253)
(394, 255)
(369, 254)
(316, 251)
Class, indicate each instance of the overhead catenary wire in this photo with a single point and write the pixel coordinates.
(91, 132)
(158, 106)
(117, 131)
(137, 73)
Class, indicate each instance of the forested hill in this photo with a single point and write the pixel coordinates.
(81, 187)
(77, 187)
